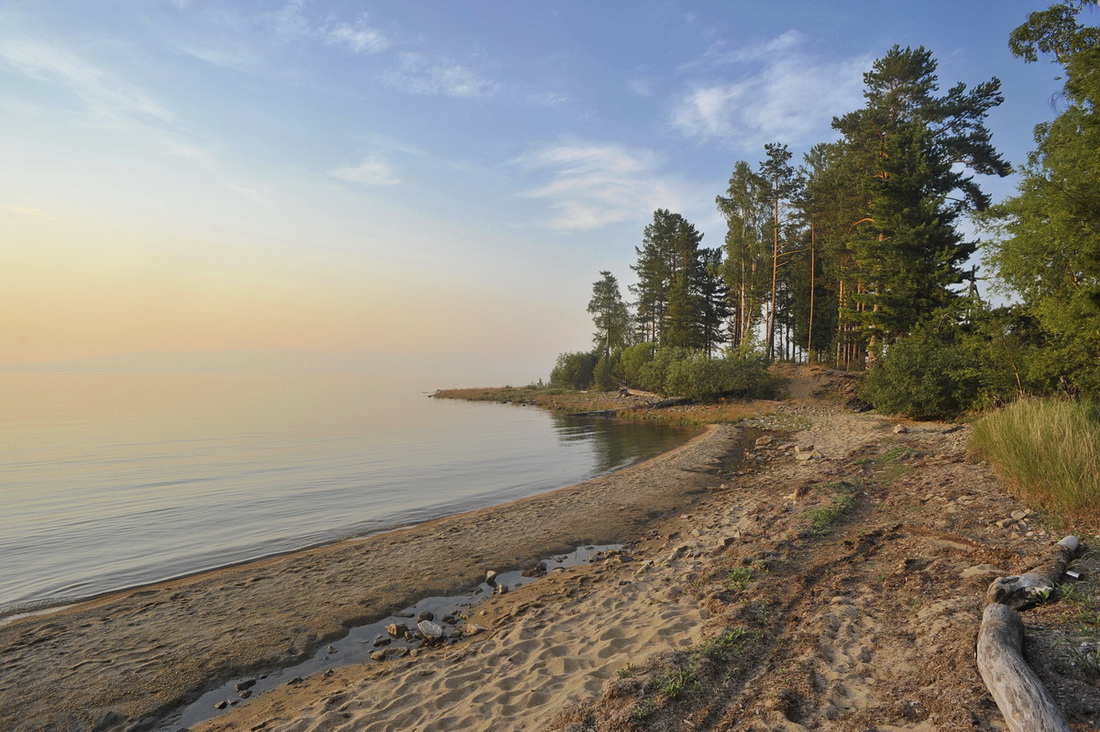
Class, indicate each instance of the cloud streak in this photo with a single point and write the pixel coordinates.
(593, 186)
(419, 74)
(372, 171)
(786, 95)
(101, 94)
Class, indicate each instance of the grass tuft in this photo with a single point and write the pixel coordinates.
(1049, 452)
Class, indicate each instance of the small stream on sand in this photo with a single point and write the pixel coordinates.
(372, 643)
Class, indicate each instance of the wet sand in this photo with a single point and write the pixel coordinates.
(127, 660)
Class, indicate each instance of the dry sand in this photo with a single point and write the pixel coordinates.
(742, 601)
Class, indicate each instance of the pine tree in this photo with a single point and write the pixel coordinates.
(916, 153)
(610, 315)
(745, 210)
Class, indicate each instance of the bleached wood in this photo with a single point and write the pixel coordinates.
(1027, 590)
(1020, 695)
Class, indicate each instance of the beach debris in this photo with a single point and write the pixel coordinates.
(221, 705)
(430, 630)
(491, 577)
(396, 630)
(900, 429)
(472, 629)
(244, 685)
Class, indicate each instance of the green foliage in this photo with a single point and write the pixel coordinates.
(1047, 246)
(927, 375)
(633, 361)
(676, 682)
(720, 648)
(690, 373)
(700, 378)
(573, 370)
(610, 315)
(1049, 449)
(822, 520)
(608, 373)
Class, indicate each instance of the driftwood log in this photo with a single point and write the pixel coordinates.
(1025, 591)
(1020, 695)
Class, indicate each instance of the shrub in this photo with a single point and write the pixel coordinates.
(608, 373)
(633, 362)
(573, 370)
(925, 375)
(692, 374)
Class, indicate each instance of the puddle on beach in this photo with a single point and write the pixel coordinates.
(358, 645)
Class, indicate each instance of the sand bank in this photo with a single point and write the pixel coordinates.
(125, 660)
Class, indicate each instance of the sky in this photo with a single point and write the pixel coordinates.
(432, 181)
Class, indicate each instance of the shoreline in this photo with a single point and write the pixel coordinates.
(127, 658)
(46, 606)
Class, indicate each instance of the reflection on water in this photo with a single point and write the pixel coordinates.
(108, 481)
(614, 443)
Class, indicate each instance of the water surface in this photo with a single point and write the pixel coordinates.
(110, 481)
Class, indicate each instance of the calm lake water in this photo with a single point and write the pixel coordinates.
(110, 481)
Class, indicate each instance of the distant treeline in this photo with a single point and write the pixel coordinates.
(854, 258)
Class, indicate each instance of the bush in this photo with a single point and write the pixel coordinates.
(925, 375)
(700, 378)
(573, 370)
(608, 373)
(633, 361)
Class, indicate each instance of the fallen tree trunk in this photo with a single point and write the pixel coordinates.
(1020, 695)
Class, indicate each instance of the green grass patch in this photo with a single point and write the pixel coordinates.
(822, 520)
(721, 647)
(676, 682)
(1049, 452)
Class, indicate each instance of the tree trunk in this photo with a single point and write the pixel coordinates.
(810, 324)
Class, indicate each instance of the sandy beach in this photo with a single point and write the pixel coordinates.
(834, 580)
(123, 661)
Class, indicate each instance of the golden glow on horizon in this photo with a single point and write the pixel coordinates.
(71, 290)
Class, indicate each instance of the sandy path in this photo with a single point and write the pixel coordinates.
(122, 661)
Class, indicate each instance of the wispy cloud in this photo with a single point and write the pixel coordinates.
(359, 37)
(785, 95)
(547, 99)
(102, 94)
(25, 210)
(720, 53)
(419, 74)
(595, 185)
(372, 171)
(291, 23)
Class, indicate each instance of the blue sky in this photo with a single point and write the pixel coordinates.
(429, 178)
